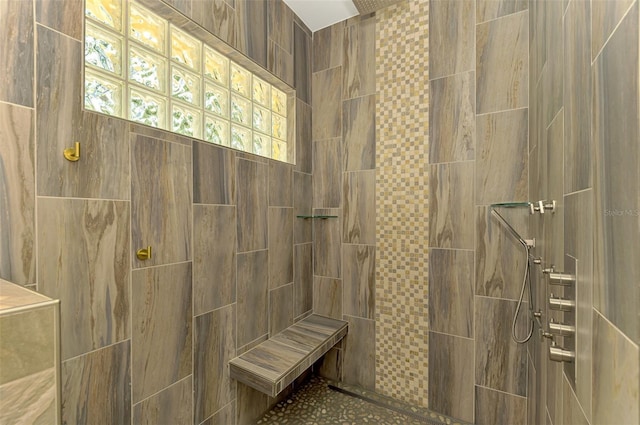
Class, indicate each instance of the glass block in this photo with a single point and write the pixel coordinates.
(147, 108)
(261, 145)
(185, 49)
(216, 67)
(102, 94)
(185, 85)
(240, 110)
(147, 28)
(240, 138)
(109, 12)
(146, 68)
(261, 91)
(216, 99)
(278, 102)
(185, 120)
(102, 49)
(279, 150)
(240, 80)
(279, 127)
(216, 131)
(261, 119)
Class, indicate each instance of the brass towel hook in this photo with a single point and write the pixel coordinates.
(72, 154)
(143, 253)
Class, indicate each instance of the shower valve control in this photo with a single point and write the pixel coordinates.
(561, 279)
(559, 354)
(561, 329)
(561, 304)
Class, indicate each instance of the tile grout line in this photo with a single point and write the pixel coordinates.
(595, 58)
(500, 391)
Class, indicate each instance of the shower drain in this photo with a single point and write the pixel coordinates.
(423, 415)
(319, 401)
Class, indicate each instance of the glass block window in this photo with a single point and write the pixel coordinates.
(140, 67)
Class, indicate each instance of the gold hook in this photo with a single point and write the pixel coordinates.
(144, 253)
(73, 154)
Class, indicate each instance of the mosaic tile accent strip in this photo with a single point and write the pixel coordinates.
(402, 112)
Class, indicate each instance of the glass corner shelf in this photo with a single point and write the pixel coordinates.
(511, 205)
(321, 217)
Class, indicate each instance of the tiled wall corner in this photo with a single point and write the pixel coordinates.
(280, 308)
(201, 208)
(17, 195)
(583, 125)
(29, 377)
(616, 375)
(495, 407)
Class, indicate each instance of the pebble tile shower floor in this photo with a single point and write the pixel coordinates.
(318, 404)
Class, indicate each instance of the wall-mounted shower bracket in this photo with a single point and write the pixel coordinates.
(531, 243)
(535, 207)
(542, 206)
(544, 334)
(537, 315)
(550, 205)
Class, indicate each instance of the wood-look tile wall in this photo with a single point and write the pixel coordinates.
(230, 262)
(343, 157)
(584, 153)
(478, 155)
(579, 61)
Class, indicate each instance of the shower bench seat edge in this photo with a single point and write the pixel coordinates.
(272, 365)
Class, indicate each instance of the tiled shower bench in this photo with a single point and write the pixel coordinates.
(275, 363)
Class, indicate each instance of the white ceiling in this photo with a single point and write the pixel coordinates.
(318, 14)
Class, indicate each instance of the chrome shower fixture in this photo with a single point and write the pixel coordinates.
(527, 243)
(542, 206)
(526, 279)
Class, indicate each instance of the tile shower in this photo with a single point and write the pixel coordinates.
(520, 101)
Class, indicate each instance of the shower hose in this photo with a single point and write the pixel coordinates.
(526, 281)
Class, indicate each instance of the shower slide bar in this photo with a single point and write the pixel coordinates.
(527, 243)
